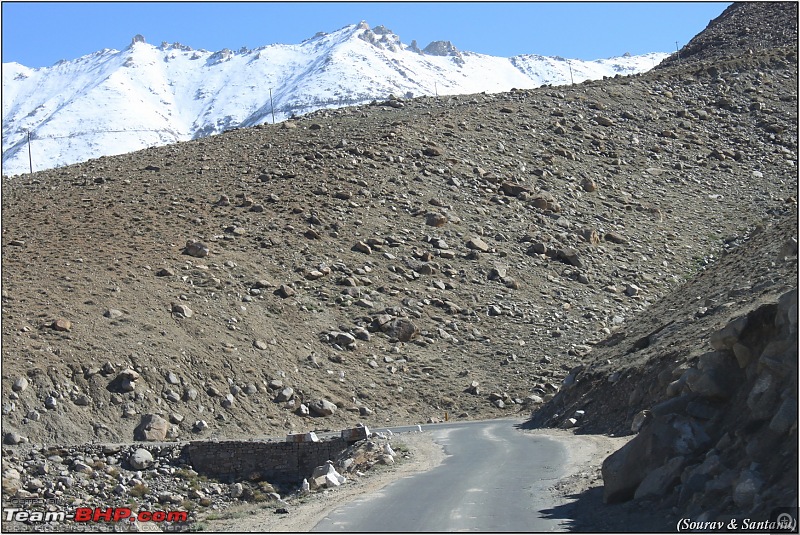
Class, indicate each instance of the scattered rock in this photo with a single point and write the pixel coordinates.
(570, 256)
(435, 219)
(12, 438)
(362, 247)
(284, 291)
(181, 310)
(285, 394)
(402, 329)
(20, 384)
(140, 459)
(326, 476)
(151, 428)
(322, 407)
(477, 244)
(61, 324)
(588, 185)
(82, 400)
(196, 249)
(199, 426)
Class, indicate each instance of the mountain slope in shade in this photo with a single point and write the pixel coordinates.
(113, 102)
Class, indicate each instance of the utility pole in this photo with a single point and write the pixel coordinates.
(30, 159)
(571, 81)
(271, 105)
(678, 51)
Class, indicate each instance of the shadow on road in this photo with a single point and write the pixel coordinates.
(534, 423)
(586, 512)
(570, 513)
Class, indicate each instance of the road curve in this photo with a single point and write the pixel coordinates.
(495, 478)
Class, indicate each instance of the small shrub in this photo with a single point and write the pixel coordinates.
(400, 447)
(188, 505)
(98, 464)
(140, 490)
(266, 486)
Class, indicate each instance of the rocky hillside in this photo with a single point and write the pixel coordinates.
(744, 33)
(707, 377)
(403, 261)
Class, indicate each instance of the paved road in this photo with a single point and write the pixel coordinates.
(495, 478)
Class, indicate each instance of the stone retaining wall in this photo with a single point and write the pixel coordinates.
(272, 461)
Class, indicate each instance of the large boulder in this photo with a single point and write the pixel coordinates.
(570, 256)
(152, 428)
(477, 244)
(726, 337)
(322, 407)
(435, 219)
(625, 469)
(196, 249)
(140, 459)
(661, 480)
(284, 395)
(12, 438)
(719, 376)
(667, 436)
(20, 384)
(403, 329)
(764, 397)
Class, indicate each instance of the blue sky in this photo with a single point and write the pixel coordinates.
(38, 34)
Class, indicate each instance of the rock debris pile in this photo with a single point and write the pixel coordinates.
(160, 477)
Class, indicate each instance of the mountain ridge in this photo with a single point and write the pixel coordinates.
(112, 102)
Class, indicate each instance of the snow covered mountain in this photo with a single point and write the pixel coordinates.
(113, 102)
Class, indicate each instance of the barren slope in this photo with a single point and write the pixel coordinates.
(566, 211)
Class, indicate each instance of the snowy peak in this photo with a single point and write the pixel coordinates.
(385, 39)
(381, 37)
(112, 102)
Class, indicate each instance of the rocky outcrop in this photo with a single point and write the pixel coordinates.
(381, 37)
(444, 48)
(725, 439)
